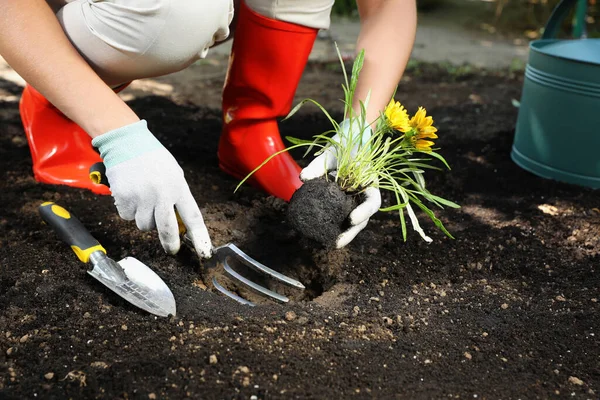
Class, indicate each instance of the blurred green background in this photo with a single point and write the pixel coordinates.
(514, 17)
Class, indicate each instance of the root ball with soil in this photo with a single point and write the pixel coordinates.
(319, 210)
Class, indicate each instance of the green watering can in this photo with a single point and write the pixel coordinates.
(558, 127)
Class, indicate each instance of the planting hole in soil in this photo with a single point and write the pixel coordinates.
(318, 270)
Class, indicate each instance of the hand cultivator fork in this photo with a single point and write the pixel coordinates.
(230, 251)
(223, 255)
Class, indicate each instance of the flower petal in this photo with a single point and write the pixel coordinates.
(424, 145)
(427, 134)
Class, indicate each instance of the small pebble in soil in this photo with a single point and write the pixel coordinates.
(244, 370)
(199, 284)
(290, 315)
(575, 381)
(24, 338)
(504, 306)
(212, 359)
(124, 327)
(275, 377)
(468, 355)
(152, 396)
(49, 375)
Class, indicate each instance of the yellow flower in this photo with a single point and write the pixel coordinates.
(423, 124)
(396, 116)
(423, 128)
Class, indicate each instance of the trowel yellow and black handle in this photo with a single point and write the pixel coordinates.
(70, 230)
(98, 175)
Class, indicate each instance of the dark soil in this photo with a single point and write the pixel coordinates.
(509, 309)
(319, 211)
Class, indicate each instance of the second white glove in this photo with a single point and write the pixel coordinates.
(148, 185)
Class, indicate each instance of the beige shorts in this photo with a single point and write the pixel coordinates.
(125, 40)
(311, 13)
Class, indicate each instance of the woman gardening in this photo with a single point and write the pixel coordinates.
(76, 55)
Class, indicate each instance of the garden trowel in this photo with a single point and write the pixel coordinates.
(129, 278)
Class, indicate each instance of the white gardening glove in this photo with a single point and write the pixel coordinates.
(148, 185)
(326, 162)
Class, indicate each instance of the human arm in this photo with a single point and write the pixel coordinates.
(35, 46)
(387, 35)
(146, 181)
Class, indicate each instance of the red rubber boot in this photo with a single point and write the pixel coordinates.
(61, 151)
(266, 64)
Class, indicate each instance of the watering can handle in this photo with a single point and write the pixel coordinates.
(559, 14)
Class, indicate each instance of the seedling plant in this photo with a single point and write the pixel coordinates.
(391, 153)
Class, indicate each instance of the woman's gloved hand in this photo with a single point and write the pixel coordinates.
(326, 162)
(148, 185)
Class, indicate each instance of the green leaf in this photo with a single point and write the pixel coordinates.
(431, 215)
(439, 157)
(263, 164)
(294, 140)
(441, 200)
(395, 207)
(295, 109)
(356, 68)
(337, 49)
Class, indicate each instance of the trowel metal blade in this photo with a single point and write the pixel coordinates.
(142, 287)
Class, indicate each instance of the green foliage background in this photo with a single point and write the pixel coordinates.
(344, 7)
(514, 16)
(348, 7)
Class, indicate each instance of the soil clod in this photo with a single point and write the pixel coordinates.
(319, 210)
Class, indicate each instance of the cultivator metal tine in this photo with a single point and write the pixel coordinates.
(230, 294)
(223, 253)
(252, 285)
(231, 249)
